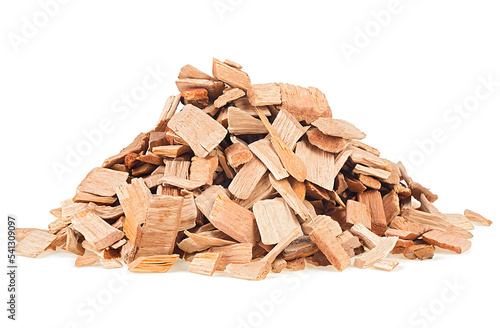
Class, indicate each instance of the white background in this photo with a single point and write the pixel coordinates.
(402, 84)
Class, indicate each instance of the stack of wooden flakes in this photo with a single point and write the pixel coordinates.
(247, 179)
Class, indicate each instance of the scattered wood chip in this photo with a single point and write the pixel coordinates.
(34, 243)
(477, 218)
(205, 263)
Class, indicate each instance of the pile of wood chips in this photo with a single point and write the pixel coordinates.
(248, 178)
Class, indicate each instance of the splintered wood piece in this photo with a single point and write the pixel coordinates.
(230, 75)
(189, 213)
(302, 246)
(370, 240)
(306, 104)
(447, 241)
(385, 265)
(229, 96)
(377, 173)
(177, 168)
(111, 263)
(354, 185)
(139, 144)
(264, 150)
(74, 242)
(181, 183)
(370, 182)
(288, 128)
(274, 219)
(326, 142)
(319, 221)
(232, 64)
(106, 212)
(417, 189)
(143, 169)
(315, 192)
(264, 94)
(240, 123)
(435, 221)
(357, 212)
(401, 223)
(247, 178)
(419, 251)
(477, 218)
(85, 197)
(157, 139)
(402, 234)
(96, 231)
(234, 220)
(21, 233)
(299, 188)
(101, 181)
(237, 154)
(278, 265)
(340, 160)
(338, 128)
(198, 129)
(191, 72)
(327, 242)
(427, 206)
(70, 209)
(284, 188)
(205, 263)
(171, 151)
(365, 147)
(321, 168)
(365, 158)
(373, 201)
(151, 158)
(263, 190)
(203, 169)
(379, 252)
(205, 201)
(244, 105)
(391, 206)
(197, 97)
(86, 260)
(34, 243)
(349, 243)
(237, 253)
(209, 239)
(460, 221)
(296, 264)
(214, 88)
(153, 264)
(292, 163)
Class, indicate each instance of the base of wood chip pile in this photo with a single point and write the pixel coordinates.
(247, 179)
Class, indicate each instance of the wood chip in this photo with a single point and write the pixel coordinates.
(274, 219)
(477, 218)
(327, 242)
(306, 104)
(230, 75)
(379, 252)
(102, 182)
(96, 231)
(205, 263)
(447, 241)
(264, 94)
(35, 242)
(338, 128)
(153, 264)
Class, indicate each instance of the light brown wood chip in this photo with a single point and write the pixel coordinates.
(205, 263)
(274, 219)
(34, 243)
(86, 260)
(321, 168)
(154, 264)
(264, 94)
(376, 254)
(447, 241)
(327, 242)
(306, 104)
(477, 218)
(338, 128)
(96, 231)
(102, 182)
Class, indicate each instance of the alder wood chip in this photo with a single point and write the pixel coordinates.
(264, 94)
(263, 190)
(327, 242)
(21, 233)
(139, 144)
(237, 154)
(373, 201)
(427, 206)
(240, 123)
(153, 264)
(302, 246)
(284, 188)
(85, 197)
(326, 142)
(205, 201)
(377, 173)
(391, 206)
(143, 169)
(370, 240)
(34, 243)
(405, 224)
(417, 189)
(203, 169)
(447, 241)
(86, 260)
(96, 231)
(247, 178)
(365, 158)
(230, 75)
(477, 218)
(402, 234)
(275, 220)
(365, 147)
(369, 182)
(197, 97)
(278, 265)
(205, 263)
(189, 213)
(385, 265)
(306, 104)
(379, 252)
(214, 88)
(191, 72)
(171, 151)
(264, 150)
(111, 263)
(101, 181)
(244, 105)
(234, 220)
(74, 242)
(228, 96)
(237, 253)
(460, 221)
(319, 221)
(297, 264)
(232, 64)
(151, 158)
(419, 251)
(338, 128)
(321, 168)
(288, 128)
(181, 183)
(354, 185)
(357, 212)
(209, 239)
(198, 129)
(106, 212)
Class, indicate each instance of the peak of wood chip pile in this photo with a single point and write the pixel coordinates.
(247, 179)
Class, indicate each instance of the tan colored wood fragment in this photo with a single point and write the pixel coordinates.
(284, 188)
(326, 142)
(74, 242)
(391, 206)
(327, 242)
(264, 150)
(385, 265)
(417, 189)
(264, 94)
(369, 182)
(338, 128)
(321, 168)
(111, 263)
(203, 169)
(151, 158)
(232, 64)
(86, 260)
(278, 265)
(101, 181)
(288, 128)
(237, 253)
(153, 264)
(427, 206)
(181, 183)
(316, 192)
(205, 201)
(143, 169)
(214, 88)
(171, 151)
(373, 201)
(230, 75)
(96, 231)
(106, 212)
(477, 218)
(354, 185)
(297, 264)
(405, 224)
(237, 154)
(306, 104)
(205, 263)
(244, 105)
(379, 252)
(274, 219)
(447, 241)
(460, 221)
(357, 212)
(419, 251)
(34, 243)
(213, 238)
(370, 240)
(191, 72)
(240, 123)
(234, 220)
(198, 129)
(139, 144)
(21, 233)
(197, 97)
(365, 158)
(189, 213)
(301, 247)
(84, 197)
(228, 96)
(377, 173)
(365, 147)
(263, 190)
(247, 178)
(402, 234)
(319, 221)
